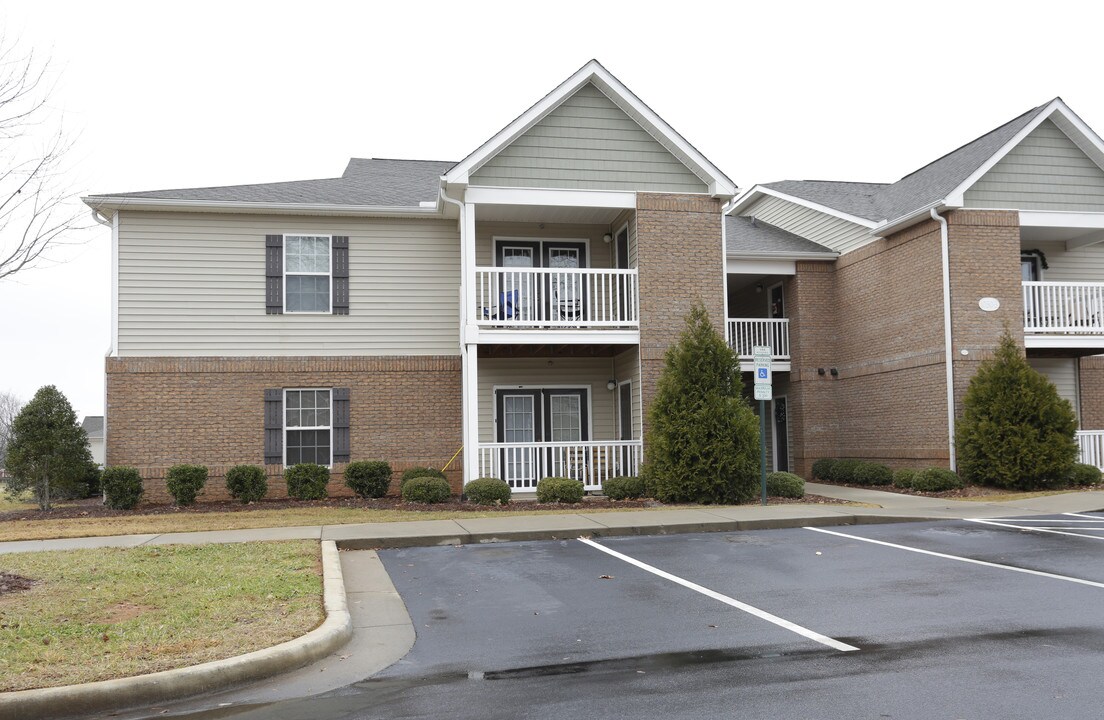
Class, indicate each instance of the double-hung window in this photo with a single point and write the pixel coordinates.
(308, 427)
(307, 273)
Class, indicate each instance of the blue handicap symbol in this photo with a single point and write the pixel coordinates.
(763, 373)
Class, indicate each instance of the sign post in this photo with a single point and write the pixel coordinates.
(761, 354)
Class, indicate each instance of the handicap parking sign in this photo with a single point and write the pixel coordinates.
(762, 373)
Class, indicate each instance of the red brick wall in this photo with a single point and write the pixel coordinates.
(1092, 393)
(680, 260)
(210, 411)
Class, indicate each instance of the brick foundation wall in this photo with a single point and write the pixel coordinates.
(1091, 372)
(210, 411)
(680, 260)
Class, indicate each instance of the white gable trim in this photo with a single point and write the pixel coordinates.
(611, 87)
(1066, 120)
(757, 191)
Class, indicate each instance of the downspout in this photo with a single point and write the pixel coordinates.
(945, 251)
(100, 218)
(464, 429)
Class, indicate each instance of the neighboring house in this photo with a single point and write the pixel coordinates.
(876, 347)
(518, 303)
(94, 428)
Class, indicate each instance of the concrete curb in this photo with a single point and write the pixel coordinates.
(720, 525)
(169, 685)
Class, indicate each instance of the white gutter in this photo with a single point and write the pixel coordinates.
(781, 255)
(100, 218)
(101, 202)
(888, 227)
(945, 251)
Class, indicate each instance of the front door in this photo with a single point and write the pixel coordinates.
(551, 415)
(781, 436)
(565, 289)
(519, 421)
(517, 291)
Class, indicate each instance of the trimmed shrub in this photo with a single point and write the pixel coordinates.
(623, 488)
(822, 469)
(784, 484)
(559, 490)
(426, 489)
(184, 482)
(844, 471)
(1082, 475)
(247, 483)
(703, 438)
(488, 491)
(935, 479)
(419, 472)
(904, 478)
(307, 481)
(368, 478)
(122, 487)
(869, 473)
(1015, 431)
(92, 481)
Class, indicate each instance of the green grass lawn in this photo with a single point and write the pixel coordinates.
(109, 613)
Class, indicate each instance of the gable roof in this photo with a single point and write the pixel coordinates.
(941, 182)
(365, 183)
(594, 73)
(747, 236)
(93, 426)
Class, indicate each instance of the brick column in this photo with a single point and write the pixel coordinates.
(680, 260)
(1092, 392)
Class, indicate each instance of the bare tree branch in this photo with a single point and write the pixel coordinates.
(10, 405)
(37, 209)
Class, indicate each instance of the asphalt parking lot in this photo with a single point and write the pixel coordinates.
(1002, 619)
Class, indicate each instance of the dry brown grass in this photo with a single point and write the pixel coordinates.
(108, 613)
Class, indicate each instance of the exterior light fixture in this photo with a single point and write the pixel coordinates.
(611, 385)
(607, 238)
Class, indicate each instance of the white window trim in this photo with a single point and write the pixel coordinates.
(589, 387)
(328, 274)
(540, 243)
(283, 410)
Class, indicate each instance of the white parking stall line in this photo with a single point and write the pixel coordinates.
(750, 609)
(1095, 518)
(1033, 528)
(1038, 573)
(1046, 519)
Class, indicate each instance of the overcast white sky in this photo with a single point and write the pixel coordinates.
(212, 93)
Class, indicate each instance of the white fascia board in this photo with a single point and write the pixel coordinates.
(1080, 342)
(593, 72)
(555, 337)
(956, 198)
(1060, 219)
(101, 203)
(919, 215)
(551, 197)
(782, 256)
(813, 206)
(760, 267)
(744, 198)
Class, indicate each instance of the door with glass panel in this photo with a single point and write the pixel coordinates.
(519, 422)
(566, 289)
(565, 422)
(517, 285)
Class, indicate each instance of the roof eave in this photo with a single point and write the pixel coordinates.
(888, 227)
(781, 255)
(113, 203)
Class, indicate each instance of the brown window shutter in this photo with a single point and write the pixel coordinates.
(341, 425)
(274, 274)
(339, 254)
(274, 426)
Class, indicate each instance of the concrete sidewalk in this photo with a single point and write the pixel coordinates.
(878, 507)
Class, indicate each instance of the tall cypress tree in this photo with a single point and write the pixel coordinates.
(703, 441)
(48, 452)
(1015, 432)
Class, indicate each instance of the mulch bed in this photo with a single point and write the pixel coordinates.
(10, 583)
(93, 507)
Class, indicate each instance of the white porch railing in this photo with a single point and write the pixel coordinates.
(744, 334)
(556, 298)
(1063, 307)
(1091, 443)
(522, 465)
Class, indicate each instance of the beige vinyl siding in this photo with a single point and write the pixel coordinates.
(830, 231)
(599, 254)
(193, 284)
(627, 367)
(1046, 171)
(592, 373)
(588, 143)
(1084, 264)
(1063, 373)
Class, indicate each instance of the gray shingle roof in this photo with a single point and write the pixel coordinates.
(747, 236)
(93, 425)
(880, 202)
(365, 182)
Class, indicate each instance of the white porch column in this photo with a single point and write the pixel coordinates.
(471, 412)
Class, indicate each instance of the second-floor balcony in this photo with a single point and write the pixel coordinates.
(556, 298)
(745, 333)
(1063, 308)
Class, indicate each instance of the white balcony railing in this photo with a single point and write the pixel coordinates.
(1091, 443)
(1063, 307)
(522, 465)
(744, 334)
(556, 298)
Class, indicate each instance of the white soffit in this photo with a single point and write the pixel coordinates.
(760, 267)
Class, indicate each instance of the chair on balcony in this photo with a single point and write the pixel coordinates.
(507, 307)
